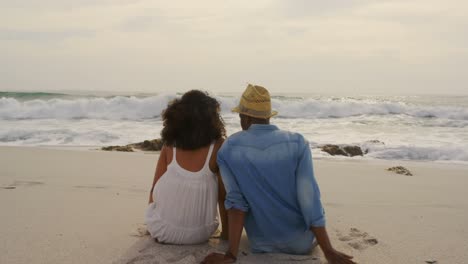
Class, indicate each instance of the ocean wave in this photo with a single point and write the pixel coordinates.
(33, 95)
(137, 108)
(115, 108)
(96, 134)
(379, 150)
(447, 153)
(56, 137)
(312, 108)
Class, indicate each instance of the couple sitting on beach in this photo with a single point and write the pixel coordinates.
(261, 178)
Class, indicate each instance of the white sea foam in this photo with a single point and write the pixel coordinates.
(313, 108)
(418, 129)
(406, 152)
(114, 108)
(445, 153)
(136, 108)
(56, 137)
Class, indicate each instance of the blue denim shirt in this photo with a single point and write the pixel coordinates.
(268, 174)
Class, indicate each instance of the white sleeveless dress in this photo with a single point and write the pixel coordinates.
(184, 209)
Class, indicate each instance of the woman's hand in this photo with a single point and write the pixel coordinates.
(151, 197)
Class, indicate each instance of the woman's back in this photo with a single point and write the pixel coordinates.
(185, 190)
(184, 211)
(193, 160)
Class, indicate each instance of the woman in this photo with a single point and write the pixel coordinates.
(187, 183)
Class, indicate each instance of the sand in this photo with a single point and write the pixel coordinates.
(81, 206)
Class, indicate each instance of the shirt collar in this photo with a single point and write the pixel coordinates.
(254, 127)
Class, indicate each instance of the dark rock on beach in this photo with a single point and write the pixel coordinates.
(118, 148)
(349, 151)
(375, 141)
(147, 145)
(400, 170)
(334, 150)
(353, 151)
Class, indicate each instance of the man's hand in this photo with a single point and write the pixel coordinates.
(335, 257)
(215, 258)
(224, 235)
(235, 225)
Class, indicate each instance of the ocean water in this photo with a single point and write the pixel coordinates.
(427, 128)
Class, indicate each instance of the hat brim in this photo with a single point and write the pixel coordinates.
(237, 110)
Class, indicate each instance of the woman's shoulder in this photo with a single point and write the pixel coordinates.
(213, 163)
(218, 143)
(167, 152)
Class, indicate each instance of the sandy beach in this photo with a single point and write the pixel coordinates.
(85, 206)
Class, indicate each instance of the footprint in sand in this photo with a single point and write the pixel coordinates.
(26, 183)
(137, 190)
(141, 259)
(216, 234)
(182, 257)
(141, 231)
(22, 183)
(90, 187)
(357, 239)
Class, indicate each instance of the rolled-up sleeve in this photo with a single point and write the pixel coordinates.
(308, 193)
(234, 197)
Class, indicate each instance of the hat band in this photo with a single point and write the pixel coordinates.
(254, 113)
(256, 100)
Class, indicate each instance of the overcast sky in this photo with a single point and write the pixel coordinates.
(338, 47)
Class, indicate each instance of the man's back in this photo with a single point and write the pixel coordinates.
(270, 185)
(268, 174)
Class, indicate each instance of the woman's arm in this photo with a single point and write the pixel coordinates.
(161, 168)
(221, 193)
(222, 210)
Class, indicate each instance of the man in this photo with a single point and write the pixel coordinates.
(271, 188)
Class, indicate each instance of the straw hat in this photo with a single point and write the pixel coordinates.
(255, 102)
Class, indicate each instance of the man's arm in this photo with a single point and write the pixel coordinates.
(236, 206)
(311, 206)
(333, 256)
(236, 224)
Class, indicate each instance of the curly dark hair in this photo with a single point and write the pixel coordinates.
(192, 121)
